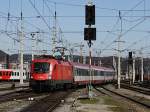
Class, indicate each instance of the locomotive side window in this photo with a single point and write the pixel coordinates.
(41, 67)
(0, 73)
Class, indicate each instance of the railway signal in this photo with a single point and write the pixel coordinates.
(89, 35)
(130, 66)
(90, 14)
(130, 59)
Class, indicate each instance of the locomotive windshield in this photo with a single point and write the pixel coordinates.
(41, 67)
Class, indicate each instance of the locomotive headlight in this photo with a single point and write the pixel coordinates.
(31, 77)
(49, 76)
(50, 71)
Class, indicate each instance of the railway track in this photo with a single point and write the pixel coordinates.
(17, 95)
(145, 84)
(48, 103)
(12, 88)
(130, 98)
(136, 88)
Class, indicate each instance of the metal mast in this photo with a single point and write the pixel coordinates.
(33, 39)
(21, 49)
(54, 33)
(119, 52)
(133, 77)
(141, 67)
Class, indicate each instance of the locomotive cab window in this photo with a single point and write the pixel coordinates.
(41, 67)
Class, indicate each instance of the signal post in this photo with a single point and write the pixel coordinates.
(130, 67)
(89, 35)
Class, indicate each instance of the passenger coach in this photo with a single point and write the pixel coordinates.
(98, 74)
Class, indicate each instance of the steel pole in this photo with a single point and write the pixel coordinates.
(141, 68)
(21, 54)
(133, 78)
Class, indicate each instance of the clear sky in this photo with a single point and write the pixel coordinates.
(38, 17)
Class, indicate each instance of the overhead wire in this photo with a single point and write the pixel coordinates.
(39, 14)
(18, 29)
(130, 27)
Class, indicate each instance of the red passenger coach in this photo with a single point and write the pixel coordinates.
(5, 74)
(50, 73)
(98, 74)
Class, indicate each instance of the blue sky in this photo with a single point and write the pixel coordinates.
(70, 18)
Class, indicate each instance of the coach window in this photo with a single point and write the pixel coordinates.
(87, 72)
(108, 74)
(0, 74)
(95, 72)
(17, 73)
(99, 74)
(79, 72)
(75, 72)
(102, 73)
(83, 72)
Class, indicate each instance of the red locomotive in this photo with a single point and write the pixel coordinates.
(52, 73)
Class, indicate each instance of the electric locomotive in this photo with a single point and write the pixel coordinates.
(50, 73)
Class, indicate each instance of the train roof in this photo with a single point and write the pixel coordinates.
(14, 70)
(6, 69)
(52, 60)
(86, 66)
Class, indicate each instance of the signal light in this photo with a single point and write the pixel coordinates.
(130, 61)
(89, 33)
(90, 15)
(130, 55)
